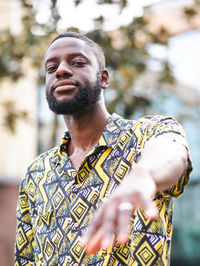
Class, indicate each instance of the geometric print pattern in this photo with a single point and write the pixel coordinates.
(56, 204)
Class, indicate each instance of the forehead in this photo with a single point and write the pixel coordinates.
(68, 46)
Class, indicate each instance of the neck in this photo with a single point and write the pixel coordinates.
(86, 127)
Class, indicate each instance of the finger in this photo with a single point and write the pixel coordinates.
(102, 237)
(109, 225)
(148, 205)
(95, 244)
(94, 226)
(150, 209)
(124, 218)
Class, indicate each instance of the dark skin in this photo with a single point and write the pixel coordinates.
(72, 58)
(69, 60)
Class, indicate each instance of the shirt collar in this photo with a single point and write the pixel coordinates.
(111, 132)
(109, 137)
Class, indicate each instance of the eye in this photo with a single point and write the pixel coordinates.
(79, 63)
(51, 68)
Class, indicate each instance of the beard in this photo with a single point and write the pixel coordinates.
(85, 98)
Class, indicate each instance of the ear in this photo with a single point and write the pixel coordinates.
(104, 79)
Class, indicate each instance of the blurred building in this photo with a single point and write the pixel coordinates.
(181, 101)
(18, 148)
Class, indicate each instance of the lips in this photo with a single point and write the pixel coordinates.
(64, 85)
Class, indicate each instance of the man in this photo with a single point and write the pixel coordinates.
(105, 195)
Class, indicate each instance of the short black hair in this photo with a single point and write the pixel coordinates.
(98, 52)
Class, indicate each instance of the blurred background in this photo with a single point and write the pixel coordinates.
(152, 50)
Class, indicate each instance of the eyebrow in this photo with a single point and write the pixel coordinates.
(51, 59)
(70, 56)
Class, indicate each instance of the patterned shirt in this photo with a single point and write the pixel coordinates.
(56, 203)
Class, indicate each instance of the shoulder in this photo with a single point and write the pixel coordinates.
(37, 172)
(153, 125)
(145, 120)
(39, 162)
(147, 126)
(156, 119)
(42, 163)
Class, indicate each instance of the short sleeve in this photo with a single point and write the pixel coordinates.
(164, 126)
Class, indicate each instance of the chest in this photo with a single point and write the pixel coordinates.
(77, 158)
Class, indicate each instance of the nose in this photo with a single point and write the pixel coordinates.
(63, 71)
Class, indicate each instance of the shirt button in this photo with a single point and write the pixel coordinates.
(77, 186)
(76, 225)
(75, 264)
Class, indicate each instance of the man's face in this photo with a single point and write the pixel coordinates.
(73, 81)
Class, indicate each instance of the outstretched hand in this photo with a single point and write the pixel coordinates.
(113, 217)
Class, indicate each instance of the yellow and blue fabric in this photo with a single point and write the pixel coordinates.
(56, 203)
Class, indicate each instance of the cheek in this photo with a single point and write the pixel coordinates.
(90, 77)
(48, 83)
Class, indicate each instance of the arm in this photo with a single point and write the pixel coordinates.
(165, 161)
(24, 254)
(161, 165)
